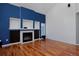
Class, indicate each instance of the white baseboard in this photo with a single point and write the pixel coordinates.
(76, 44)
(37, 39)
(6, 45)
(26, 42)
(30, 41)
(63, 42)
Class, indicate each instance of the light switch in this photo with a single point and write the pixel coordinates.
(6, 39)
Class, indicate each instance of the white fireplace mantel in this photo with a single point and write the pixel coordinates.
(21, 36)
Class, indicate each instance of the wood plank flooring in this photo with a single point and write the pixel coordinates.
(41, 48)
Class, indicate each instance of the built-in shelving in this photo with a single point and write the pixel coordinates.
(27, 23)
(37, 25)
(14, 23)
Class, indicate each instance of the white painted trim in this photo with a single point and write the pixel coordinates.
(37, 39)
(6, 45)
(76, 44)
(63, 42)
(31, 41)
(21, 36)
(26, 42)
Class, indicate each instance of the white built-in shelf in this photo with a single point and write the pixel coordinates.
(37, 25)
(14, 23)
(28, 23)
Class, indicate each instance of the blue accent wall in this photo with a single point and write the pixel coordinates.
(32, 15)
(7, 11)
(27, 14)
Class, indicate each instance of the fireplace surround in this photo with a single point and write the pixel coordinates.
(26, 36)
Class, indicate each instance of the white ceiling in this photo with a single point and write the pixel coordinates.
(38, 7)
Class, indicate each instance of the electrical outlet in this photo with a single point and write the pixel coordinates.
(6, 39)
(0, 40)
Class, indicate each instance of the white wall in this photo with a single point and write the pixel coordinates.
(77, 23)
(77, 28)
(61, 23)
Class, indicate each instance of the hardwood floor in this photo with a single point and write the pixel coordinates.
(41, 48)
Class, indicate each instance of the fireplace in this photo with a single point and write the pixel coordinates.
(26, 36)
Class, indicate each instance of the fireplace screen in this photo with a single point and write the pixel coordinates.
(27, 36)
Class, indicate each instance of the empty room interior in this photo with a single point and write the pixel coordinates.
(39, 29)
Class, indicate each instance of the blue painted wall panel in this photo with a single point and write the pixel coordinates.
(31, 15)
(3, 24)
(27, 14)
(7, 12)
